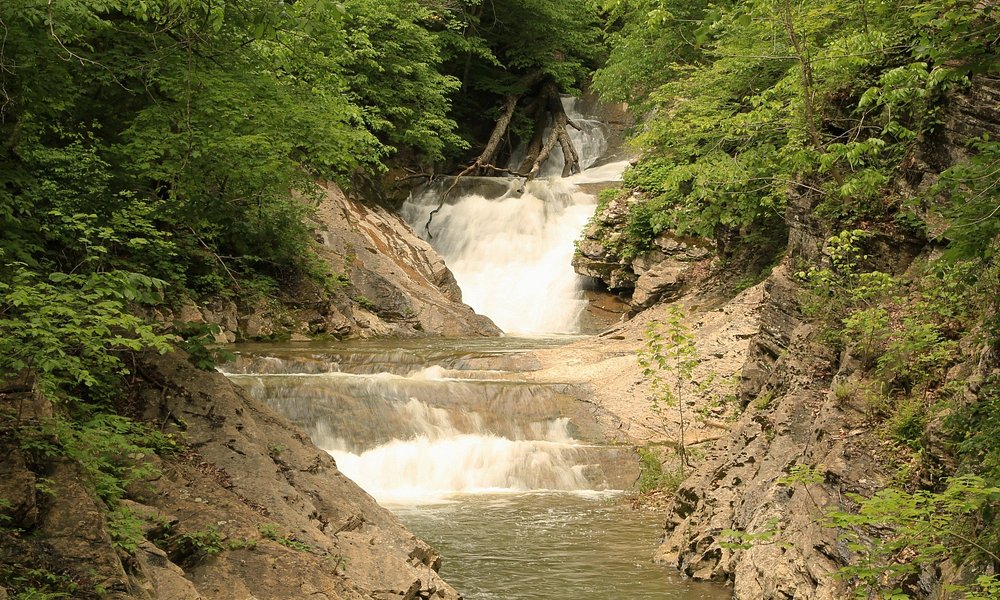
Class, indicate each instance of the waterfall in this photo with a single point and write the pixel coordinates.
(419, 425)
(442, 460)
(510, 243)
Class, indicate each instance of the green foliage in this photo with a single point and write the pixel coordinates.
(111, 450)
(649, 42)
(69, 328)
(197, 340)
(906, 425)
(976, 430)
(394, 77)
(734, 539)
(558, 40)
(652, 476)
(974, 201)
(126, 529)
(364, 302)
(827, 105)
(270, 531)
(510, 47)
(668, 360)
(917, 354)
(33, 583)
(924, 526)
(195, 546)
(802, 474)
(905, 339)
(187, 136)
(750, 103)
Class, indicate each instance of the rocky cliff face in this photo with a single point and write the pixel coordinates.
(657, 275)
(391, 283)
(248, 509)
(793, 417)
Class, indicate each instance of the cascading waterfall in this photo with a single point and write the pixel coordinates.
(441, 460)
(510, 243)
(489, 468)
(418, 433)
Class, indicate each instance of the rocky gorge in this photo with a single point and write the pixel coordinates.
(372, 300)
(249, 504)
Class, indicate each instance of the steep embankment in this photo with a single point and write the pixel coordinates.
(389, 283)
(800, 403)
(805, 421)
(240, 504)
(246, 507)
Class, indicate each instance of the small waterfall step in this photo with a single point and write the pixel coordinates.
(433, 421)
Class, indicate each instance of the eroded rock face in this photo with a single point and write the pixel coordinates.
(596, 257)
(658, 275)
(248, 509)
(663, 271)
(254, 476)
(398, 284)
(392, 283)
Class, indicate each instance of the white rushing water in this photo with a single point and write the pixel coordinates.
(442, 460)
(510, 243)
(435, 431)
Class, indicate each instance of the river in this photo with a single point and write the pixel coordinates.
(511, 481)
(507, 480)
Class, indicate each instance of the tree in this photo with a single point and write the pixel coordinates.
(668, 361)
(514, 58)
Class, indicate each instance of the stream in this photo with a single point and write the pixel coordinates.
(510, 481)
(507, 480)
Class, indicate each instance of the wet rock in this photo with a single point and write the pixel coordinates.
(159, 578)
(257, 323)
(657, 275)
(74, 528)
(17, 487)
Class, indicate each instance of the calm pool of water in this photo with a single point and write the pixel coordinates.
(546, 546)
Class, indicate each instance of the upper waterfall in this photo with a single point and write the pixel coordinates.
(510, 242)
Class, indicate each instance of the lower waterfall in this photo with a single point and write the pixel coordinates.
(501, 476)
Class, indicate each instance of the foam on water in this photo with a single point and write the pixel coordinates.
(510, 242)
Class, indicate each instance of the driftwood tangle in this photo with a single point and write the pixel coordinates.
(550, 123)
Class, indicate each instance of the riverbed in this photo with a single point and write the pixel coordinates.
(509, 480)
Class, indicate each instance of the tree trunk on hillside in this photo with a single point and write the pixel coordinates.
(488, 155)
(550, 124)
(550, 128)
(557, 134)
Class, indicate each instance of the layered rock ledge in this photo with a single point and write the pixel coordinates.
(248, 509)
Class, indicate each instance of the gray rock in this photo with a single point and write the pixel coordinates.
(404, 285)
(660, 282)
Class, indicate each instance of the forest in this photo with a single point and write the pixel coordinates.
(155, 151)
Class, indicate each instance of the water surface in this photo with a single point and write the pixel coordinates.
(550, 547)
(507, 479)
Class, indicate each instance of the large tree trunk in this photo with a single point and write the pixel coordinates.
(486, 158)
(539, 110)
(547, 112)
(558, 134)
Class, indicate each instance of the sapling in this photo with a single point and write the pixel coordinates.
(668, 360)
